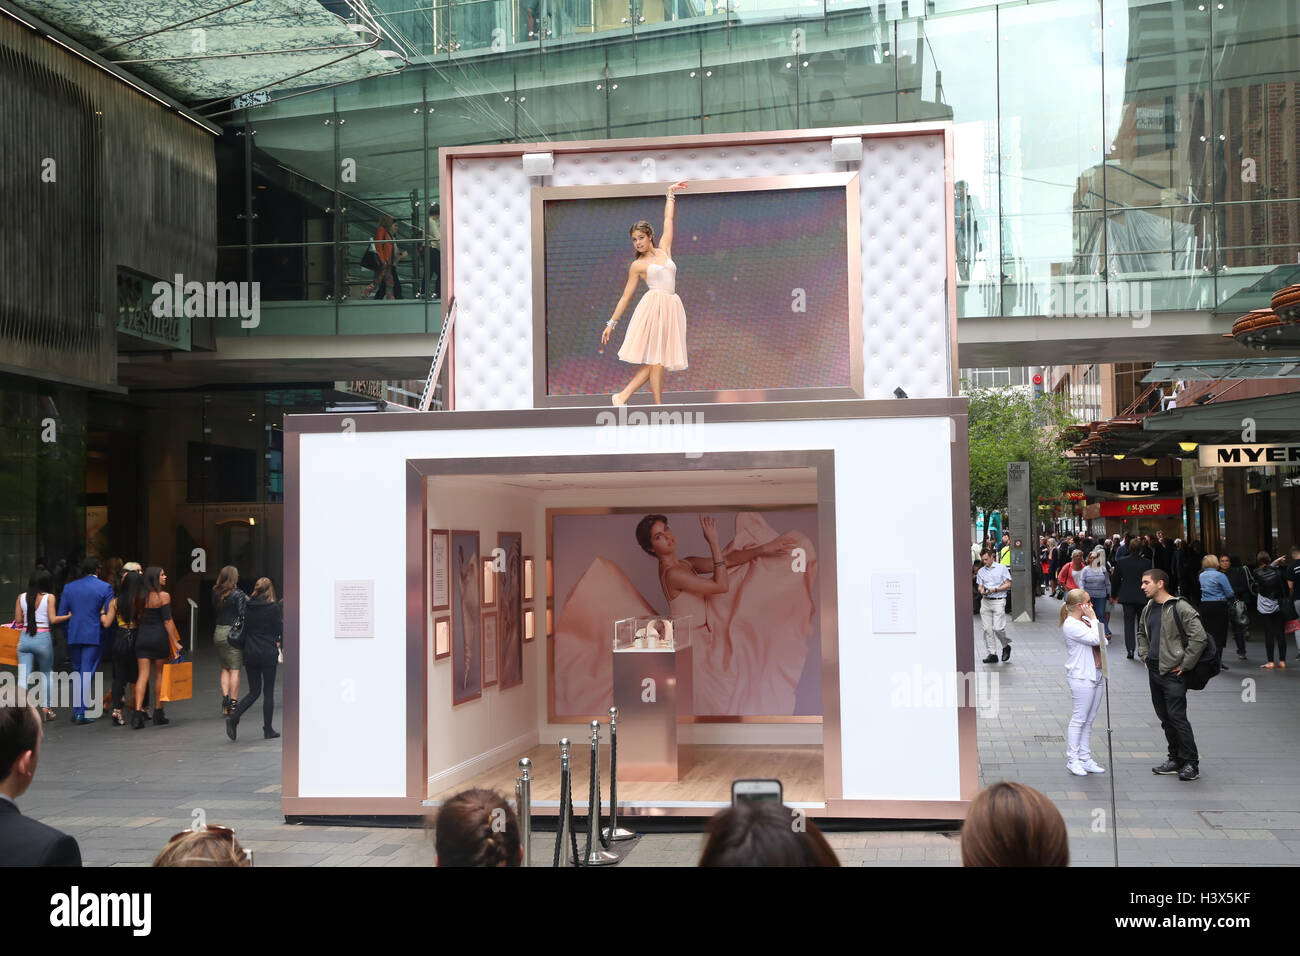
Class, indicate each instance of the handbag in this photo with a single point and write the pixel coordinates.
(370, 259)
(235, 637)
(1240, 616)
(124, 641)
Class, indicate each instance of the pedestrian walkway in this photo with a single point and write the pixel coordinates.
(123, 793)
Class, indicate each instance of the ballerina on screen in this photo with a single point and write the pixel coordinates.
(656, 333)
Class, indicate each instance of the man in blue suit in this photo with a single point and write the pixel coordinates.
(86, 599)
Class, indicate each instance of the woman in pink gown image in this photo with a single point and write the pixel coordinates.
(752, 607)
(656, 333)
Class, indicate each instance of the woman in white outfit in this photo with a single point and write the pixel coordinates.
(1083, 671)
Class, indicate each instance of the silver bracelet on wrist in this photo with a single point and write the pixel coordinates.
(610, 325)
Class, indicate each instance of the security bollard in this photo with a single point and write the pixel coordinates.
(596, 855)
(614, 833)
(524, 807)
(564, 835)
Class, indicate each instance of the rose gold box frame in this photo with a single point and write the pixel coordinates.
(853, 257)
(448, 155)
(417, 612)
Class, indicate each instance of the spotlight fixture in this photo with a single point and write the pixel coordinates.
(1119, 457)
(1188, 445)
(899, 393)
(539, 164)
(846, 149)
(1148, 462)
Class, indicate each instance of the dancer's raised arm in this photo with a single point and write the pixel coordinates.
(666, 243)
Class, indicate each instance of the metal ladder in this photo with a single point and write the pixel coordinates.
(431, 383)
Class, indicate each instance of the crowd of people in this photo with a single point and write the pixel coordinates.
(1180, 606)
(1228, 593)
(119, 612)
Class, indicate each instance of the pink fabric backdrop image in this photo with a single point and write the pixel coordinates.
(757, 648)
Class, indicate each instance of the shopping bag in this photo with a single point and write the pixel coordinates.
(177, 682)
(9, 645)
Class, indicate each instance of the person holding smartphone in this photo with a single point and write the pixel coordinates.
(1083, 643)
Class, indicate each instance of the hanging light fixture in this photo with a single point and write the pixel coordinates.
(1148, 461)
(1188, 445)
(1118, 457)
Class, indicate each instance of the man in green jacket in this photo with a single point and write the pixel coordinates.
(1170, 640)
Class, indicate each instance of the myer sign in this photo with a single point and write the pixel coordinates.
(1247, 456)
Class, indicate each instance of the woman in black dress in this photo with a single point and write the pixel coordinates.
(125, 611)
(156, 642)
(263, 629)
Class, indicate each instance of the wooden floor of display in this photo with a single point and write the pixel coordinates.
(706, 775)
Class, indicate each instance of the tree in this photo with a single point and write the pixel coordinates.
(1011, 425)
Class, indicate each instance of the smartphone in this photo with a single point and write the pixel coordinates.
(755, 791)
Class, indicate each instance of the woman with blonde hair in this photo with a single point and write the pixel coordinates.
(209, 846)
(1083, 671)
(263, 635)
(229, 604)
(1216, 597)
(656, 333)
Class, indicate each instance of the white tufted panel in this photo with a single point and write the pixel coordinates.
(905, 330)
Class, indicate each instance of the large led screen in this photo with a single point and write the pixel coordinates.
(756, 647)
(764, 277)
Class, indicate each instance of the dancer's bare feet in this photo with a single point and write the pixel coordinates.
(618, 398)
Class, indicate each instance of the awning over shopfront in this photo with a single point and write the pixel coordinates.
(1163, 434)
(1213, 371)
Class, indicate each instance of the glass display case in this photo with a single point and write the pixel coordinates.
(660, 634)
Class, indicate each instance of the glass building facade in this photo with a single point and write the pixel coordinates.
(1109, 155)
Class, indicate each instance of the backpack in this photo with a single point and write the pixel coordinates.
(1208, 666)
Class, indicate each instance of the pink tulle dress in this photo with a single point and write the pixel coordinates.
(656, 333)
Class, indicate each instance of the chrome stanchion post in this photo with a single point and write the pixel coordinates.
(596, 855)
(524, 806)
(614, 833)
(562, 836)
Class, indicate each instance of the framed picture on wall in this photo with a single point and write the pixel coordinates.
(511, 603)
(441, 638)
(439, 570)
(528, 579)
(530, 624)
(489, 582)
(466, 618)
(491, 648)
